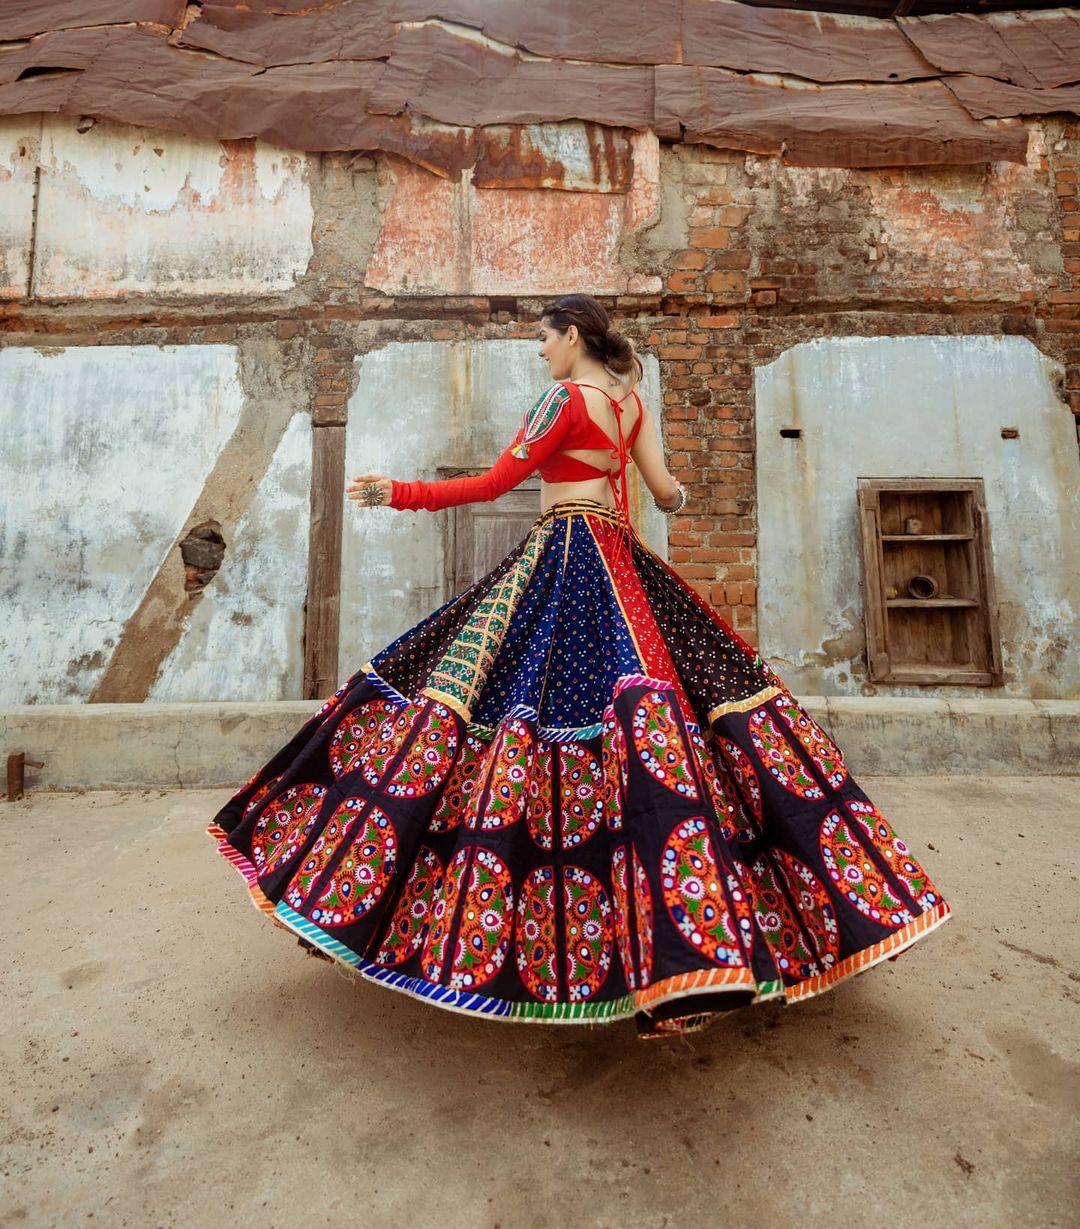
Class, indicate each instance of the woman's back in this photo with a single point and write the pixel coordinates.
(589, 464)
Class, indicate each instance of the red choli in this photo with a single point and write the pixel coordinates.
(557, 423)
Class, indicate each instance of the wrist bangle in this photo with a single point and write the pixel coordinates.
(679, 506)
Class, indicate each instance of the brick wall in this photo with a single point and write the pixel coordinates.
(760, 274)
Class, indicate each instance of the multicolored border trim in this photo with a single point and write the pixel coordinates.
(884, 949)
(701, 981)
(381, 685)
(541, 418)
(741, 706)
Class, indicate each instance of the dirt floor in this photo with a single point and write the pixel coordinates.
(171, 1058)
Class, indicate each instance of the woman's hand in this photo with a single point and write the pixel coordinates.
(370, 490)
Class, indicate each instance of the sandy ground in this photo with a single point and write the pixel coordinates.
(171, 1058)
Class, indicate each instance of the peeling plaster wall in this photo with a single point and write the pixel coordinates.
(18, 159)
(245, 638)
(123, 210)
(419, 406)
(443, 236)
(106, 449)
(915, 407)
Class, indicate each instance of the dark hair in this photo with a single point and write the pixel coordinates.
(604, 343)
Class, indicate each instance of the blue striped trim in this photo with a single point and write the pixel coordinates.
(569, 733)
(461, 999)
(384, 688)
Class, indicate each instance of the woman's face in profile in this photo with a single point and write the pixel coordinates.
(557, 349)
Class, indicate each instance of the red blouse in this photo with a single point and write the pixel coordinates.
(557, 423)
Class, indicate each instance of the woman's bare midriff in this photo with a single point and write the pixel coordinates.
(596, 489)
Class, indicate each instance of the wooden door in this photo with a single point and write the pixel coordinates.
(479, 536)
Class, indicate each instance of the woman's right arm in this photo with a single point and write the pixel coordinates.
(540, 435)
(648, 455)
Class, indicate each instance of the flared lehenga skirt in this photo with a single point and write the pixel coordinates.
(573, 794)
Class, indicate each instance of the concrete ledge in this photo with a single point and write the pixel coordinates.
(121, 746)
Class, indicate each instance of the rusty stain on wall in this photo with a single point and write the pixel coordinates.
(450, 237)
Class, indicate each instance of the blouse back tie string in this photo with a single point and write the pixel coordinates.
(619, 489)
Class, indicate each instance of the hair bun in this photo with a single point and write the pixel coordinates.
(617, 345)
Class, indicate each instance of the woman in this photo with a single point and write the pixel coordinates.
(573, 794)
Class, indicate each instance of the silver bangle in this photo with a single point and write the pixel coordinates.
(679, 506)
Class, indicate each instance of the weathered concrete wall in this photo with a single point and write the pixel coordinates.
(419, 406)
(105, 451)
(245, 639)
(123, 210)
(915, 407)
(717, 262)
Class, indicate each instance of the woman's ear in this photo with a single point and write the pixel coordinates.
(572, 334)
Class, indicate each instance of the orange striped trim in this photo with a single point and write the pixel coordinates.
(860, 961)
(243, 867)
(690, 983)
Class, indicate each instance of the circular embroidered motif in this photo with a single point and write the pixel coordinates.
(588, 933)
(730, 817)
(818, 745)
(509, 768)
(413, 913)
(460, 786)
(854, 872)
(354, 732)
(487, 917)
(743, 774)
(815, 907)
(739, 896)
(899, 857)
(362, 875)
(777, 920)
(319, 855)
(615, 770)
(536, 934)
(643, 905)
(429, 756)
(776, 754)
(442, 916)
(620, 893)
(690, 880)
(659, 744)
(539, 814)
(381, 748)
(581, 799)
(284, 825)
(259, 796)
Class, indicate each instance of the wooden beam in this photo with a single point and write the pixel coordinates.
(323, 607)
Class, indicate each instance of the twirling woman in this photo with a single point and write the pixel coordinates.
(573, 794)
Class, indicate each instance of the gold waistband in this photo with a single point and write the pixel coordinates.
(570, 507)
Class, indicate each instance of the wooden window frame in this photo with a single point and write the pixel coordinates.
(972, 544)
